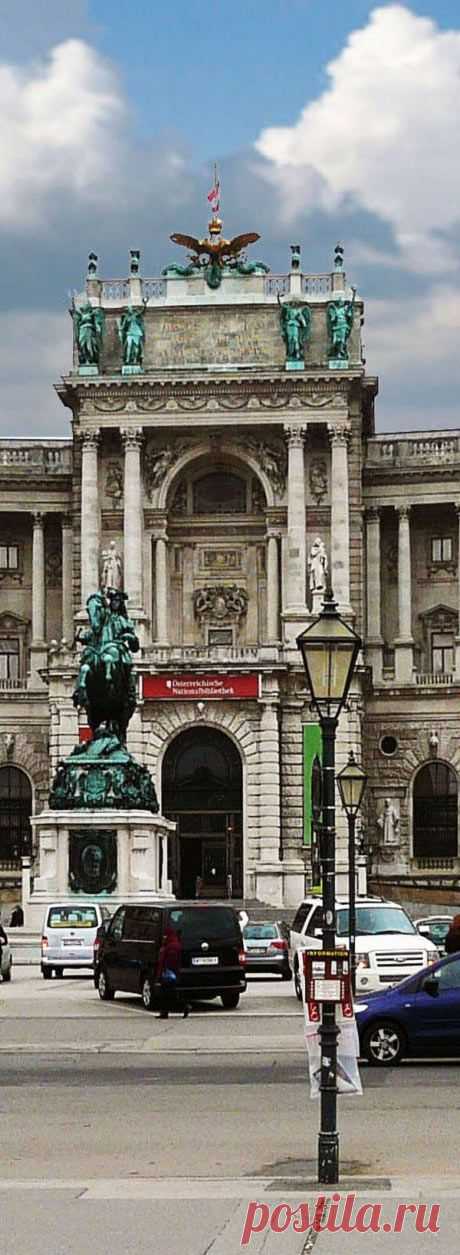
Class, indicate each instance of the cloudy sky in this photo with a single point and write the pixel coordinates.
(329, 121)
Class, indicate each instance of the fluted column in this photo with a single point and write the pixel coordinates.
(269, 783)
(37, 659)
(340, 516)
(404, 646)
(90, 515)
(273, 589)
(161, 589)
(296, 560)
(132, 522)
(374, 640)
(67, 590)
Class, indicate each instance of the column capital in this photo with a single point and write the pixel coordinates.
(295, 436)
(67, 521)
(273, 532)
(339, 433)
(38, 517)
(132, 437)
(372, 513)
(90, 438)
(457, 508)
(403, 511)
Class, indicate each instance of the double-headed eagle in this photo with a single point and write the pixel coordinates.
(216, 250)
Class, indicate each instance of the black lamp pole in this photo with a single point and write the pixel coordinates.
(352, 782)
(329, 649)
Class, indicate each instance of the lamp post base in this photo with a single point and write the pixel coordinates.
(328, 1158)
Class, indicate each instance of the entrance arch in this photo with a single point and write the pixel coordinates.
(15, 813)
(202, 791)
(435, 811)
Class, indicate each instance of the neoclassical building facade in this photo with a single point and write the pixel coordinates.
(205, 476)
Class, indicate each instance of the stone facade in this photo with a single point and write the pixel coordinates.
(212, 471)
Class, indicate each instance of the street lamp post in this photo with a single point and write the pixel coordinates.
(352, 782)
(329, 649)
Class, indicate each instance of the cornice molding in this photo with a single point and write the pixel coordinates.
(145, 396)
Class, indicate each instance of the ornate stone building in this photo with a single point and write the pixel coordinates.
(206, 471)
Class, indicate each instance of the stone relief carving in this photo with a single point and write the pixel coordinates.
(220, 601)
(179, 500)
(272, 460)
(114, 483)
(158, 462)
(53, 564)
(258, 502)
(221, 559)
(317, 479)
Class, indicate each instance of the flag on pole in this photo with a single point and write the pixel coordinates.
(214, 194)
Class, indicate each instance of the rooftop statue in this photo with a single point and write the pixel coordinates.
(131, 331)
(214, 254)
(89, 324)
(295, 327)
(340, 322)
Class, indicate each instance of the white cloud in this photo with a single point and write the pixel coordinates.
(382, 137)
(61, 122)
(414, 333)
(43, 341)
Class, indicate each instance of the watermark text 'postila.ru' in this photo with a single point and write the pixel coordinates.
(338, 1213)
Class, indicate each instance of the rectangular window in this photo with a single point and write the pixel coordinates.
(9, 557)
(442, 653)
(9, 658)
(441, 548)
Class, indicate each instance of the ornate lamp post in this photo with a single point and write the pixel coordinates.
(352, 782)
(329, 649)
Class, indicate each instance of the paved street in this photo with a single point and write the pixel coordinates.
(114, 1121)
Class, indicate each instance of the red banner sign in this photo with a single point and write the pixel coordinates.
(199, 687)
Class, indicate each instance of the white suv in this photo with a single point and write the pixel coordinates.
(388, 946)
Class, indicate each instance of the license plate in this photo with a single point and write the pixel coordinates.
(72, 943)
(254, 951)
(210, 961)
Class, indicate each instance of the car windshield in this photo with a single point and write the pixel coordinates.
(205, 924)
(375, 920)
(438, 930)
(260, 932)
(72, 917)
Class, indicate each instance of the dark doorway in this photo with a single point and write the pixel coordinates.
(435, 811)
(15, 812)
(202, 793)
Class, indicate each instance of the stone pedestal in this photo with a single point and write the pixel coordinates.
(138, 872)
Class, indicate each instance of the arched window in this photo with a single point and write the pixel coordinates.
(15, 812)
(220, 492)
(435, 811)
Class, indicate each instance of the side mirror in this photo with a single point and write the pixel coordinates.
(318, 932)
(431, 986)
(424, 929)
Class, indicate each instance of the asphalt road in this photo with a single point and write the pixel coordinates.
(114, 1121)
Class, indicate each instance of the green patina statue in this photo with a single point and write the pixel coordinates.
(131, 331)
(89, 322)
(295, 328)
(102, 773)
(340, 322)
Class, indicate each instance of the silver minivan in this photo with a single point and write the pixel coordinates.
(68, 935)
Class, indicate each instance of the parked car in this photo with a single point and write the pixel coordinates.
(436, 927)
(388, 946)
(68, 935)
(129, 952)
(421, 1016)
(6, 961)
(266, 948)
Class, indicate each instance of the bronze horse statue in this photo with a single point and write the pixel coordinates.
(106, 685)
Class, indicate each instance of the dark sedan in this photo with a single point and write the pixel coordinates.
(421, 1016)
(266, 948)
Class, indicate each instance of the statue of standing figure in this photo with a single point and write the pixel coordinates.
(388, 822)
(295, 327)
(318, 566)
(112, 571)
(131, 331)
(89, 322)
(340, 321)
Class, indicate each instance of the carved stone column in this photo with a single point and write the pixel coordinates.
(38, 651)
(90, 516)
(295, 568)
(133, 512)
(404, 645)
(340, 516)
(67, 589)
(457, 638)
(374, 639)
(273, 589)
(161, 588)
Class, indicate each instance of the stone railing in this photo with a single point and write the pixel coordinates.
(318, 285)
(433, 679)
(28, 455)
(435, 864)
(250, 655)
(10, 685)
(122, 291)
(413, 450)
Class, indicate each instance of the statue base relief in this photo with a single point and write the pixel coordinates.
(132, 370)
(338, 363)
(88, 370)
(295, 365)
(110, 856)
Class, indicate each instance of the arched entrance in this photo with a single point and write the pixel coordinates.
(15, 812)
(203, 792)
(435, 811)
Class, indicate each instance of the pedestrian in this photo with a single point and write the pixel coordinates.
(3, 936)
(170, 963)
(17, 917)
(452, 942)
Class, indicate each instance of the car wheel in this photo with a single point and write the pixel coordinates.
(59, 971)
(7, 974)
(46, 973)
(147, 993)
(384, 1043)
(106, 993)
(286, 975)
(230, 999)
(297, 984)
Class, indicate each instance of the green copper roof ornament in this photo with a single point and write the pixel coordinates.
(340, 315)
(295, 318)
(89, 323)
(214, 255)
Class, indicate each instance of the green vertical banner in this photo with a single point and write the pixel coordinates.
(312, 748)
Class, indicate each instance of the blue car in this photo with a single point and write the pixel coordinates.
(420, 1016)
